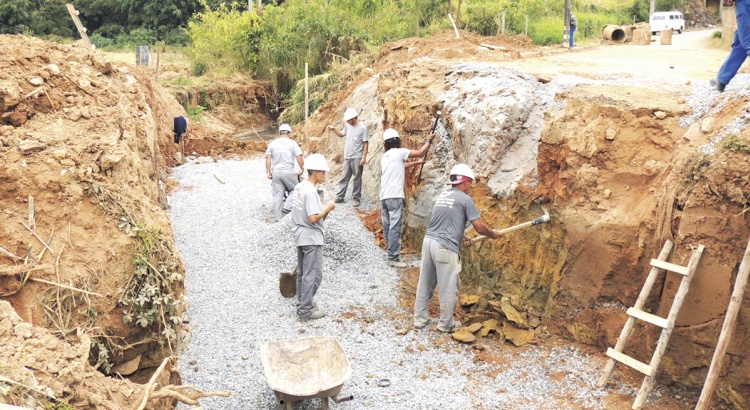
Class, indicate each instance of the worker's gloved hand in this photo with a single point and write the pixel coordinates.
(270, 175)
(299, 172)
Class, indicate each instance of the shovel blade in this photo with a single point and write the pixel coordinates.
(288, 284)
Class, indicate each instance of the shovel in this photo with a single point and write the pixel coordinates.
(537, 221)
(288, 283)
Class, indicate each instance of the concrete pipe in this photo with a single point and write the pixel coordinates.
(614, 33)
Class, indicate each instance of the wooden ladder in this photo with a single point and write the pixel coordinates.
(667, 324)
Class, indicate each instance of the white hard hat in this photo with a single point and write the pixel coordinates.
(285, 127)
(462, 170)
(350, 113)
(316, 162)
(390, 133)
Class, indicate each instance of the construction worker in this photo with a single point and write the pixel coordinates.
(180, 129)
(441, 259)
(280, 156)
(573, 26)
(740, 46)
(355, 154)
(392, 175)
(308, 218)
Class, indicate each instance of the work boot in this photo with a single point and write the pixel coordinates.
(718, 85)
(316, 314)
(356, 203)
(456, 325)
(396, 264)
(421, 325)
(338, 200)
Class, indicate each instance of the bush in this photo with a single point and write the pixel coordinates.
(101, 42)
(717, 34)
(137, 37)
(483, 18)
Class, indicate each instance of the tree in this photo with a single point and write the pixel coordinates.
(15, 15)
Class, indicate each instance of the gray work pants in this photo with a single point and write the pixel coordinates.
(309, 276)
(440, 267)
(393, 221)
(281, 184)
(351, 168)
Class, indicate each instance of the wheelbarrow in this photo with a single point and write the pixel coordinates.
(309, 368)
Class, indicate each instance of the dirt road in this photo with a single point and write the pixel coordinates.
(692, 56)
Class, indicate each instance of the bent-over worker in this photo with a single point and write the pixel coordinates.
(308, 218)
(441, 247)
(392, 176)
(355, 154)
(280, 156)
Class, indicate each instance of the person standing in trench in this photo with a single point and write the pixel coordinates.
(355, 154)
(308, 219)
(392, 176)
(280, 156)
(441, 247)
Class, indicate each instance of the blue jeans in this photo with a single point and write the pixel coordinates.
(740, 45)
(393, 221)
(572, 36)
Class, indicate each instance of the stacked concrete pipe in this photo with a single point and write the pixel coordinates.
(614, 33)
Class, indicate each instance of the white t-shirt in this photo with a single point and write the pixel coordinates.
(356, 136)
(306, 202)
(283, 151)
(392, 173)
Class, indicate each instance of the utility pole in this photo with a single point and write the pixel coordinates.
(250, 6)
(651, 7)
(566, 33)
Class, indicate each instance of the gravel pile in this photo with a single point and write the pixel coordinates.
(233, 255)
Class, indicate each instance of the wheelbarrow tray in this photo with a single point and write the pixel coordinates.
(308, 368)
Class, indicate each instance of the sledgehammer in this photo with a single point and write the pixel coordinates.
(538, 221)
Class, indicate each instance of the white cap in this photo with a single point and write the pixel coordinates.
(285, 127)
(462, 170)
(350, 113)
(390, 133)
(316, 162)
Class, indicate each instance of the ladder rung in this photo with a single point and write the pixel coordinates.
(625, 359)
(682, 270)
(648, 317)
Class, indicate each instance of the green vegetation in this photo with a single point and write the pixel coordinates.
(734, 143)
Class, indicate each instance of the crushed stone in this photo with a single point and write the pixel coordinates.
(233, 255)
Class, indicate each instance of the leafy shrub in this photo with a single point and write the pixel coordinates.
(717, 34)
(101, 42)
(483, 18)
(137, 37)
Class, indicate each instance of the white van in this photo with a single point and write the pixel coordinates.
(666, 20)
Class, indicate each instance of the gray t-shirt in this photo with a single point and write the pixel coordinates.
(452, 210)
(306, 202)
(392, 173)
(356, 136)
(283, 151)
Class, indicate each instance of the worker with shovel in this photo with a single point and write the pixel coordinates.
(441, 247)
(280, 156)
(355, 154)
(392, 175)
(308, 218)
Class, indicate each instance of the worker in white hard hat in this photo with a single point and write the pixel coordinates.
(308, 219)
(355, 154)
(392, 176)
(441, 258)
(280, 156)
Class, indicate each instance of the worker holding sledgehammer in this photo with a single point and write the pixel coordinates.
(308, 218)
(392, 176)
(280, 156)
(441, 247)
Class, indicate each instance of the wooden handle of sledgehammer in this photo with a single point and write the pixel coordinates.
(537, 221)
(434, 127)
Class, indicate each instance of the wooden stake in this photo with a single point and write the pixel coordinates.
(726, 331)
(32, 220)
(453, 23)
(81, 30)
(37, 237)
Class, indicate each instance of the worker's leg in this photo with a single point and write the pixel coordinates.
(740, 44)
(357, 184)
(572, 37)
(385, 217)
(426, 284)
(395, 216)
(447, 267)
(277, 194)
(290, 181)
(344, 182)
(309, 276)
